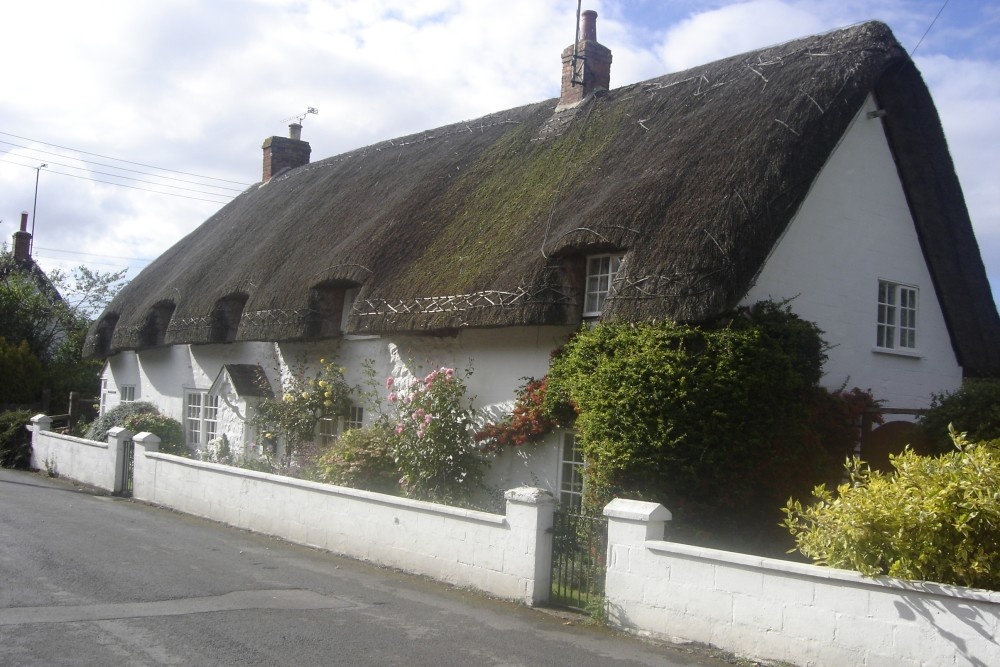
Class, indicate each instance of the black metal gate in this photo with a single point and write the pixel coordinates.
(127, 469)
(579, 560)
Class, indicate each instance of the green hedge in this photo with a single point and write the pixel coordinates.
(15, 440)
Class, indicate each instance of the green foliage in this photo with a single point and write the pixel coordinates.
(21, 372)
(169, 431)
(933, 519)
(974, 409)
(15, 441)
(361, 458)
(432, 445)
(720, 422)
(53, 317)
(116, 416)
(420, 444)
(304, 401)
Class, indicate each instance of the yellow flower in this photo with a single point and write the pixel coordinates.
(305, 394)
(288, 398)
(327, 403)
(322, 361)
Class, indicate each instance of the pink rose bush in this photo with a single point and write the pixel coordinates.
(433, 427)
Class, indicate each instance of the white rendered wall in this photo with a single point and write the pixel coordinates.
(777, 610)
(853, 229)
(506, 554)
(500, 359)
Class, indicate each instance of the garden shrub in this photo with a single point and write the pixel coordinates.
(116, 417)
(432, 438)
(292, 418)
(720, 422)
(973, 409)
(21, 372)
(935, 518)
(169, 431)
(361, 458)
(15, 440)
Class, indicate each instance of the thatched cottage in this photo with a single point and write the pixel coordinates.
(814, 170)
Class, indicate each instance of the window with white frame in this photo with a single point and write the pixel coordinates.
(571, 473)
(601, 271)
(126, 393)
(327, 430)
(201, 417)
(355, 417)
(328, 426)
(897, 316)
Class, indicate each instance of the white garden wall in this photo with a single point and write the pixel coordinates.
(504, 555)
(87, 461)
(772, 609)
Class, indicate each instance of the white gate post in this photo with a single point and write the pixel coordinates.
(118, 438)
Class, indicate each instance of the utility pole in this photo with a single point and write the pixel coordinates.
(34, 208)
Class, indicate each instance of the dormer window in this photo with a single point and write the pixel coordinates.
(601, 272)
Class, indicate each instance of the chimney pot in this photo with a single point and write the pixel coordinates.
(22, 242)
(586, 65)
(285, 152)
(589, 28)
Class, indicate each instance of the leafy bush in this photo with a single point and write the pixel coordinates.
(934, 519)
(15, 441)
(973, 409)
(361, 458)
(293, 417)
(721, 422)
(432, 436)
(21, 372)
(169, 431)
(116, 417)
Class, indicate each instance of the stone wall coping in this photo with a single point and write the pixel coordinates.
(636, 510)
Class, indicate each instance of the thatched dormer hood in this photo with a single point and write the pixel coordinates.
(695, 175)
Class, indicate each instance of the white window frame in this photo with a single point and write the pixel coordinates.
(355, 418)
(126, 393)
(896, 321)
(571, 472)
(201, 417)
(329, 428)
(601, 272)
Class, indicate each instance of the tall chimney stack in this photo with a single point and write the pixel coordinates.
(285, 153)
(586, 65)
(22, 241)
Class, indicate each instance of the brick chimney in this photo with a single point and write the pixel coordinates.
(589, 70)
(285, 153)
(22, 241)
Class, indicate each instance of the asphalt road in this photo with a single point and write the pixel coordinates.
(89, 579)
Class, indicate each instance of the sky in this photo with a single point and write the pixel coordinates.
(150, 114)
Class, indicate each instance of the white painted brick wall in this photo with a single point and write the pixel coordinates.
(802, 614)
(505, 555)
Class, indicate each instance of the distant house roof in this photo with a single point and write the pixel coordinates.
(484, 223)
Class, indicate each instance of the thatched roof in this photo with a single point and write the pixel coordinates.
(484, 223)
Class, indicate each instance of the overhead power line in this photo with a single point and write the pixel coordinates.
(133, 187)
(107, 157)
(125, 169)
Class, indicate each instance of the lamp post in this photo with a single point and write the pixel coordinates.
(34, 207)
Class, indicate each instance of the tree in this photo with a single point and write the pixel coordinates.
(51, 314)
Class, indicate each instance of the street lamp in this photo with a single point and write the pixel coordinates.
(34, 207)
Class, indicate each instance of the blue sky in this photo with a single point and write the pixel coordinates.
(195, 86)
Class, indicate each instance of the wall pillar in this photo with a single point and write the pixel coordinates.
(529, 514)
(144, 470)
(118, 439)
(41, 423)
